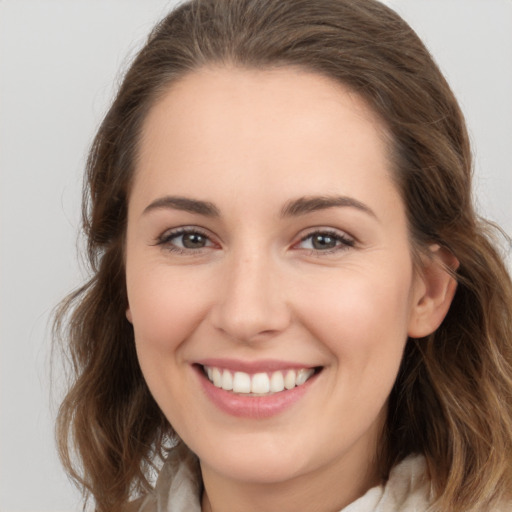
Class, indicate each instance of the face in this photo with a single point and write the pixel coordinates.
(267, 251)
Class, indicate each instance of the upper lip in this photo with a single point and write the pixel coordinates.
(257, 366)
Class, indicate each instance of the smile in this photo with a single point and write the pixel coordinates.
(258, 384)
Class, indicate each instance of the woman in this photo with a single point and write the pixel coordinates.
(293, 302)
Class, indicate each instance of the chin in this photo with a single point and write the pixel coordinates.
(258, 461)
(262, 470)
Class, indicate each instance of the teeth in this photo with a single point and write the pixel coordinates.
(289, 380)
(227, 380)
(302, 376)
(259, 383)
(277, 382)
(241, 382)
(217, 377)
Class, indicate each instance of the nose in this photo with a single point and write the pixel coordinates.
(251, 304)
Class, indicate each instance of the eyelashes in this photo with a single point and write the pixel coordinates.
(192, 240)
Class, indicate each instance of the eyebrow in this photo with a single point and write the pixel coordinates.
(185, 204)
(297, 207)
(305, 205)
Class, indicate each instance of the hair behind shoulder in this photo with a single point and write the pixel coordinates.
(452, 400)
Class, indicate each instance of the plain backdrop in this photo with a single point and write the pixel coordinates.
(60, 61)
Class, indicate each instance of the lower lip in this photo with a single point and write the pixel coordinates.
(255, 407)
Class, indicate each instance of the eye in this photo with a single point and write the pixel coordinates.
(185, 239)
(326, 241)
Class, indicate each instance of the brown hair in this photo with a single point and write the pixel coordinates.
(452, 400)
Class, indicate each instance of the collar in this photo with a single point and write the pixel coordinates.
(179, 487)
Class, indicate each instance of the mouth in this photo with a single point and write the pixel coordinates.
(258, 384)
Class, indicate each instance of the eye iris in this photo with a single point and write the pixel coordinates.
(323, 242)
(193, 240)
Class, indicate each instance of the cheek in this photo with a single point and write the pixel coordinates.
(361, 316)
(165, 308)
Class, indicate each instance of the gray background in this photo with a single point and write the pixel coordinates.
(59, 63)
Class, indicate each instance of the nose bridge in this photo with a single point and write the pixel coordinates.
(251, 302)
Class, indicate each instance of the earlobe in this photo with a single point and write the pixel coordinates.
(129, 315)
(436, 289)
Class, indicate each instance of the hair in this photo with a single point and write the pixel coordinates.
(452, 400)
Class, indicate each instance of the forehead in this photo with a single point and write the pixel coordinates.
(261, 129)
(250, 97)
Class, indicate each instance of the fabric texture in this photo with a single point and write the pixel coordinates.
(178, 488)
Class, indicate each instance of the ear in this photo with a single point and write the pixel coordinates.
(129, 315)
(434, 291)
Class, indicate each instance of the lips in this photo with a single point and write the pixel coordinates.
(257, 389)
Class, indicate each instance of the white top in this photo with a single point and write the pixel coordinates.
(178, 488)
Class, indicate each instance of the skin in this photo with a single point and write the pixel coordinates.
(249, 142)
